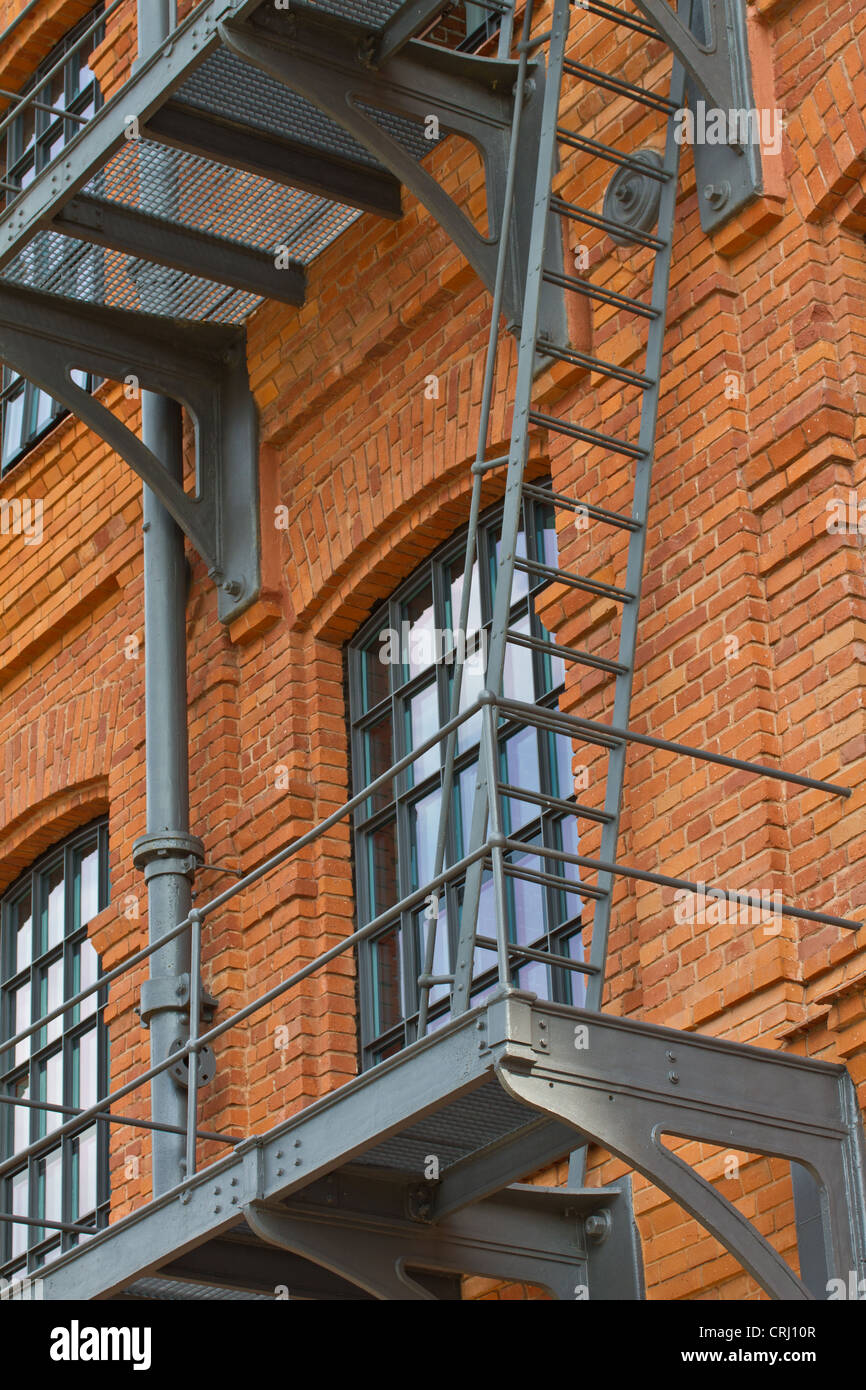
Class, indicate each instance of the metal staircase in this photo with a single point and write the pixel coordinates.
(339, 1198)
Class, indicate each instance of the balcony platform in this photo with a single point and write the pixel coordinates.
(339, 1200)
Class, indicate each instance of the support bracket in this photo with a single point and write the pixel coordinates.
(202, 365)
(462, 93)
(360, 1226)
(625, 1085)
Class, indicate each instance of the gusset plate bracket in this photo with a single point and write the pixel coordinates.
(703, 35)
(444, 91)
(625, 1085)
(201, 365)
(359, 1224)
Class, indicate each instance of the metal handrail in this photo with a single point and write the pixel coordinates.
(27, 97)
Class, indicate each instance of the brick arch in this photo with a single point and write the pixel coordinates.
(55, 774)
(397, 542)
(33, 39)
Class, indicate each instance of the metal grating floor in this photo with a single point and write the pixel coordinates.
(203, 195)
(465, 1127)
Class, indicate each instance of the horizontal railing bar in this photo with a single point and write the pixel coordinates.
(577, 213)
(618, 85)
(699, 889)
(537, 644)
(586, 287)
(44, 1223)
(110, 975)
(579, 725)
(560, 499)
(606, 152)
(54, 110)
(553, 803)
(27, 97)
(252, 877)
(587, 436)
(546, 957)
(119, 1119)
(384, 919)
(573, 581)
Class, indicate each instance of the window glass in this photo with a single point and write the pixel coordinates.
(59, 1064)
(33, 139)
(398, 829)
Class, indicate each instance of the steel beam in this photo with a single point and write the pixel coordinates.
(204, 366)
(88, 152)
(619, 1083)
(468, 95)
(413, 17)
(499, 1165)
(283, 160)
(359, 1227)
(239, 1261)
(185, 248)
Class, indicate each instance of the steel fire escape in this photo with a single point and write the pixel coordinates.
(322, 108)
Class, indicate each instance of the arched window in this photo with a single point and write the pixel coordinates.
(32, 140)
(45, 958)
(400, 673)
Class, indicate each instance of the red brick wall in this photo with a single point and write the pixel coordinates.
(375, 476)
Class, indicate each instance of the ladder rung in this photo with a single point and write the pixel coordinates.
(554, 803)
(538, 644)
(619, 86)
(573, 581)
(604, 224)
(559, 499)
(587, 436)
(617, 16)
(594, 364)
(625, 161)
(622, 301)
(486, 464)
(546, 957)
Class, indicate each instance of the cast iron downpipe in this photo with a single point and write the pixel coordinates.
(167, 852)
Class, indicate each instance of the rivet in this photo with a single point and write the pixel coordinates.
(217, 1208)
(673, 1078)
(297, 1143)
(280, 1172)
(298, 1162)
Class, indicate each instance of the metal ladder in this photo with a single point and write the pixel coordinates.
(555, 136)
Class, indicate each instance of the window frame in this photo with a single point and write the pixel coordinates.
(60, 1039)
(562, 923)
(25, 154)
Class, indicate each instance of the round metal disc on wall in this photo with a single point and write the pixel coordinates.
(206, 1065)
(632, 199)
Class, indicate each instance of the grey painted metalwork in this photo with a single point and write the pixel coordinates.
(503, 1088)
(46, 337)
(618, 1089)
(167, 853)
(470, 96)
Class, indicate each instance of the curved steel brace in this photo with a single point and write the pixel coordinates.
(632, 1133)
(469, 96)
(203, 366)
(359, 1227)
(373, 1266)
